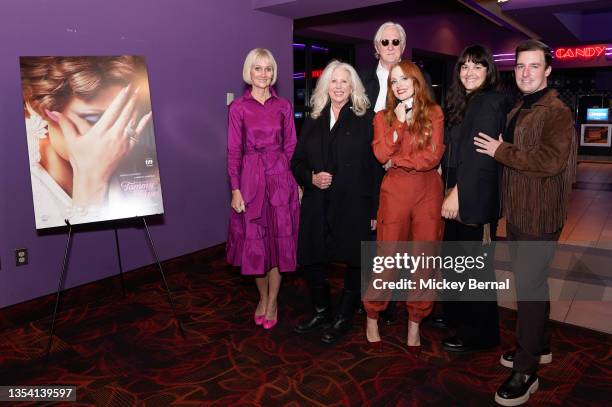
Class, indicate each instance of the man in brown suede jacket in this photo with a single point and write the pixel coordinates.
(538, 151)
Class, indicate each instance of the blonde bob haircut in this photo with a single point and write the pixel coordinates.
(252, 57)
(320, 96)
(378, 35)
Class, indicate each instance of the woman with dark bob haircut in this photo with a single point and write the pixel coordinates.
(471, 206)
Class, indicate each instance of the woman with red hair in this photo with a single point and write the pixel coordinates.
(408, 140)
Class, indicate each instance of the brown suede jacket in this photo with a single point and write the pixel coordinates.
(540, 166)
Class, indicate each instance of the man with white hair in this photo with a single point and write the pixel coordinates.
(389, 43)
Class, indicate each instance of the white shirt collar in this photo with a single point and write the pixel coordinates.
(381, 69)
(382, 73)
(332, 118)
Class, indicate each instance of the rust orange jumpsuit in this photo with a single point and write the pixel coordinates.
(411, 193)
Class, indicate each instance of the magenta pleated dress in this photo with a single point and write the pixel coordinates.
(260, 143)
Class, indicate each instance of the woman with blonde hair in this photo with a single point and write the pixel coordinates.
(408, 140)
(334, 163)
(261, 138)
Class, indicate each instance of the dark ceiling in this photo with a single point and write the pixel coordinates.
(554, 21)
(569, 22)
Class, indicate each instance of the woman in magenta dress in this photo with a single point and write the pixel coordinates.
(262, 236)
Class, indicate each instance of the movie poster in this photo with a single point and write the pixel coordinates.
(91, 144)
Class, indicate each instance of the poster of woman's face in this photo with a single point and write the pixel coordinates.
(91, 144)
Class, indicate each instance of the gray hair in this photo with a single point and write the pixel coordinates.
(400, 30)
(320, 96)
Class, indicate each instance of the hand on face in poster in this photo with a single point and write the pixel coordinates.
(487, 145)
(450, 206)
(322, 180)
(94, 156)
(237, 201)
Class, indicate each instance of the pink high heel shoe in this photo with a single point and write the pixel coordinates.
(269, 323)
(259, 319)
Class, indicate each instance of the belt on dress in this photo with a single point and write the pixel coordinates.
(253, 187)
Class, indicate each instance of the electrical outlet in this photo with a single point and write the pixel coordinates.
(21, 257)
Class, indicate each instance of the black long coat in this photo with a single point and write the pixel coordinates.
(371, 85)
(334, 221)
(477, 174)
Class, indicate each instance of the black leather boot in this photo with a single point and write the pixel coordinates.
(516, 389)
(343, 322)
(322, 311)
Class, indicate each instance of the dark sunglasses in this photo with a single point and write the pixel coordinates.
(385, 42)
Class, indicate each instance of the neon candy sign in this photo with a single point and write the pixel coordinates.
(313, 74)
(588, 52)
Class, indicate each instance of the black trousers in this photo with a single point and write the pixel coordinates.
(530, 265)
(315, 275)
(476, 321)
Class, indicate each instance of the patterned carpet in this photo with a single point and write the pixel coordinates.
(126, 351)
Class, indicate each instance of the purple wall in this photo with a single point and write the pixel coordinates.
(364, 56)
(194, 50)
(306, 8)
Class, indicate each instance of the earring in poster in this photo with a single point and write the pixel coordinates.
(37, 127)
